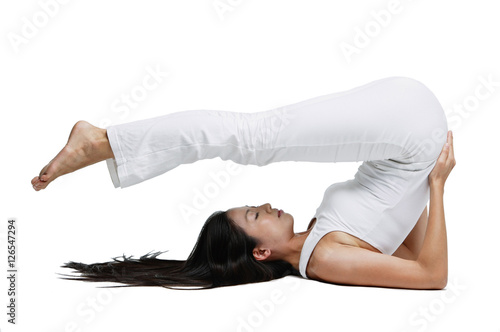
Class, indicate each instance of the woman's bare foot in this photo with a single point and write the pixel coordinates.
(86, 145)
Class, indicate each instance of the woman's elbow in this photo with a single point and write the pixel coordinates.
(439, 280)
(432, 278)
(441, 283)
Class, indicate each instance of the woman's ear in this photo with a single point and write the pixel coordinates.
(261, 254)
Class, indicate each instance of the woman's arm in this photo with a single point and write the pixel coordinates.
(434, 254)
(357, 266)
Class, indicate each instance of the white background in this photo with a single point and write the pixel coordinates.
(77, 62)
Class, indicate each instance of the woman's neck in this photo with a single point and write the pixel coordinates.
(294, 248)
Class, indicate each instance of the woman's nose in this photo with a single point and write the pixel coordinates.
(268, 207)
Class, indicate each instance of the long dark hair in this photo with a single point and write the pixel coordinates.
(222, 256)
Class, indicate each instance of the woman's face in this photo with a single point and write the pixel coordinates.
(263, 223)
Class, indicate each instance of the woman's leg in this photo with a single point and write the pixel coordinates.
(86, 145)
(383, 120)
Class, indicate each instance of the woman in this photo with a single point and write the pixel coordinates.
(372, 230)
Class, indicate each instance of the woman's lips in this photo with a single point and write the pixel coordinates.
(280, 212)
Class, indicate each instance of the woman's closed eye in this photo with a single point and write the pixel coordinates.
(256, 214)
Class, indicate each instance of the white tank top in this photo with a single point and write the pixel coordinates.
(381, 205)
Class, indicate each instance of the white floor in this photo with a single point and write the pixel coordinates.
(87, 58)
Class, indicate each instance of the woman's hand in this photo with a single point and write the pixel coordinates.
(444, 164)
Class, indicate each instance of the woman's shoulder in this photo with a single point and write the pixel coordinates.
(322, 253)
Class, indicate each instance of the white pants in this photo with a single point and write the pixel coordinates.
(396, 121)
